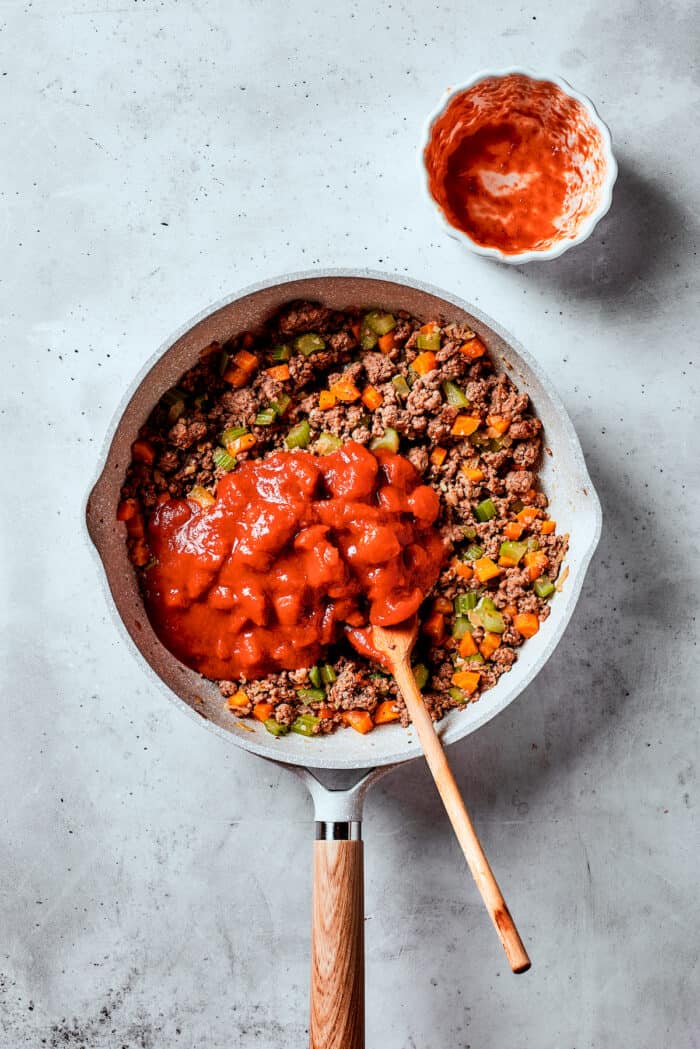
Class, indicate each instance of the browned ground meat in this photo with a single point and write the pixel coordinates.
(401, 397)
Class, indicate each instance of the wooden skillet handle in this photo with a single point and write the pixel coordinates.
(337, 946)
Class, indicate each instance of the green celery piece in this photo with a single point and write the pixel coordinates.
(299, 435)
(456, 397)
(311, 695)
(327, 443)
(305, 724)
(401, 386)
(476, 658)
(513, 550)
(460, 627)
(429, 340)
(389, 441)
(308, 344)
(473, 552)
(421, 674)
(266, 417)
(379, 323)
(223, 460)
(492, 621)
(230, 435)
(464, 603)
(281, 404)
(328, 674)
(469, 532)
(175, 411)
(223, 362)
(486, 510)
(532, 544)
(280, 353)
(315, 677)
(274, 727)
(368, 340)
(457, 695)
(543, 586)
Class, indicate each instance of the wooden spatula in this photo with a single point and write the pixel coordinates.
(395, 645)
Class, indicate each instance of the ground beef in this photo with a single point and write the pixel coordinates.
(178, 454)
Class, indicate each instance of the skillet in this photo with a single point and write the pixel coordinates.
(338, 769)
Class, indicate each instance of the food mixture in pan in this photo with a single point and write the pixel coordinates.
(333, 470)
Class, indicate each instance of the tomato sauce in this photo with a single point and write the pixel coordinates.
(296, 548)
(514, 163)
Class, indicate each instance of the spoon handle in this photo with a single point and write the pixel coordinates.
(459, 818)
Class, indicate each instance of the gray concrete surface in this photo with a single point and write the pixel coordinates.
(154, 882)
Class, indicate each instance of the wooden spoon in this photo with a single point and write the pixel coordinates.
(395, 645)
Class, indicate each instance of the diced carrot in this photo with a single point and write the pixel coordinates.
(473, 348)
(513, 530)
(526, 623)
(511, 610)
(143, 452)
(386, 342)
(473, 473)
(134, 526)
(463, 570)
(356, 329)
(489, 645)
(530, 496)
(467, 680)
(386, 712)
(248, 362)
(345, 390)
(201, 495)
(548, 527)
(434, 627)
(425, 362)
(327, 400)
(536, 562)
(467, 646)
(371, 398)
(241, 444)
(324, 712)
(163, 497)
(139, 553)
(360, 720)
(263, 711)
(236, 376)
(438, 456)
(507, 562)
(485, 569)
(441, 604)
(464, 425)
(279, 372)
(238, 699)
(428, 328)
(248, 339)
(528, 514)
(126, 509)
(499, 423)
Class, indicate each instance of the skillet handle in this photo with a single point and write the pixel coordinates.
(337, 939)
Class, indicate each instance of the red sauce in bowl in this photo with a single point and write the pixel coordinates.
(295, 548)
(515, 163)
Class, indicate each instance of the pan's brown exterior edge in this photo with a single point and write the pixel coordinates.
(246, 310)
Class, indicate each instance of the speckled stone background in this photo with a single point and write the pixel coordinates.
(154, 881)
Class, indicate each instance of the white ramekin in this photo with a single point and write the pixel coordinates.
(587, 226)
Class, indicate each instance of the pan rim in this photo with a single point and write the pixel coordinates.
(449, 733)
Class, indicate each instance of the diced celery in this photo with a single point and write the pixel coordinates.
(513, 551)
(308, 344)
(460, 627)
(368, 339)
(532, 544)
(401, 386)
(327, 443)
(457, 695)
(315, 677)
(223, 460)
(473, 552)
(223, 362)
(266, 417)
(280, 353)
(311, 695)
(281, 404)
(469, 532)
(421, 674)
(486, 510)
(274, 727)
(328, 674)
(464, 603)
(456, 397)
(380, 323)
(389, 441)
(175, 411)
(299, 435)
(491, 618)
(305, 724)
(543, 586)
(476, 658)
(230, 435)
(429, 340)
